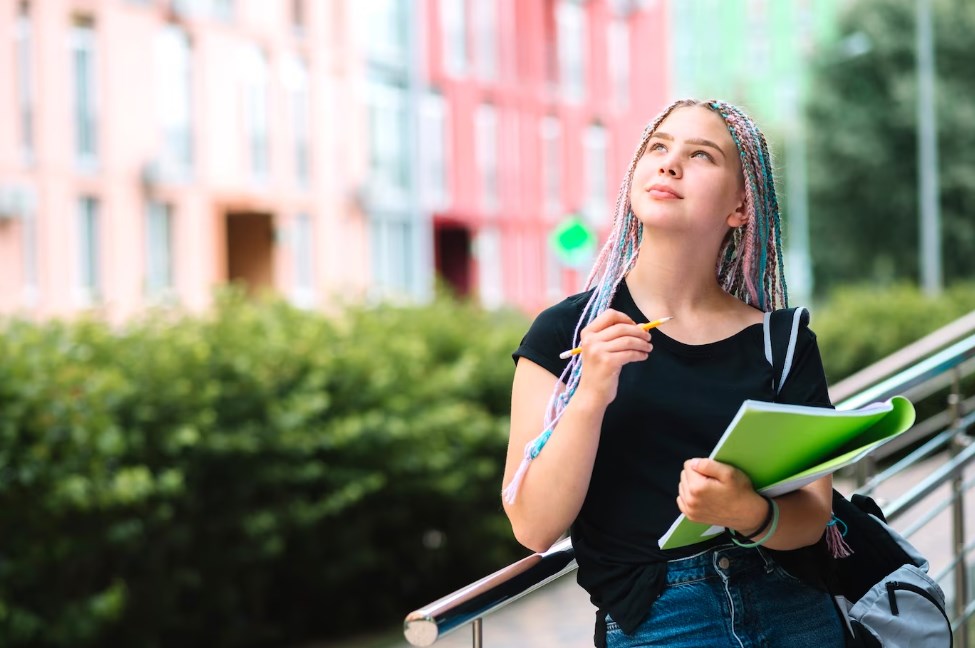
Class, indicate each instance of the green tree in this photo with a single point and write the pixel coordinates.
(863, 173)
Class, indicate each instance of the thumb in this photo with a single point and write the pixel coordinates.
(711, 468)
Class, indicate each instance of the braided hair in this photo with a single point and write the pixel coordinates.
(749, 263)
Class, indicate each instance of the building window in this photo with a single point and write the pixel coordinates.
(385, 31)
(512, 177)
(434, 131)
(222, 9)
(489, 272)
(594, 146)
(486, 39)
(573, 39)
(84, 65)
(89, 277)
(255, 82)
(159, 249)
(23, 60)
(174, 103)
(393, 256)
(619, 60)
(31, 286)
(218, 9)
(299, 21)
(296, 81)
(486, 138)
(551, 131)
(553, 275)
(304, 277)
(550, 47)
(388, 158)
(453, 31)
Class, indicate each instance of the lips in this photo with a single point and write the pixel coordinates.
(663, 191)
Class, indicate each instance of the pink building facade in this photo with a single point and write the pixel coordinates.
(540, 105)
(154, 150)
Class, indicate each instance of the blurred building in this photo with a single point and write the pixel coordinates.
(152, 150)
(529, 114)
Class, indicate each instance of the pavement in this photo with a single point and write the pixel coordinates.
(561, 614)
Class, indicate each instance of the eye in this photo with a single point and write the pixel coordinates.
(655, 146)
(703, 155)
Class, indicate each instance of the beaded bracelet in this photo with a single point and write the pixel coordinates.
(767, 536)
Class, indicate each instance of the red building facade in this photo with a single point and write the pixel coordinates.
(530, 113)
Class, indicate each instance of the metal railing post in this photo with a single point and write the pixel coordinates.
(477, 634)
(958, 443)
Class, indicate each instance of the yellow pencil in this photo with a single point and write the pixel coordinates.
(565, 355)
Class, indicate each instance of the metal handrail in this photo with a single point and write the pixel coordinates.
(900, 360)
(424, 626)
(916, 371)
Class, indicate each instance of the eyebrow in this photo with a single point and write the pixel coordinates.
(697, 141)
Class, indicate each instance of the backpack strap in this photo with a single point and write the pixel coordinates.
(781, 330)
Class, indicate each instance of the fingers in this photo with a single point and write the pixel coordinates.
(715, 493)
(614, 331)
(711, 468)
(609, 317)
(609, 342)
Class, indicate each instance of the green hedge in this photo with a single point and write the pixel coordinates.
(859, 325)
(263, 475)
(258, 476)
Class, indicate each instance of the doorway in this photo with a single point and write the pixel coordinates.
(452, 251)
(250, 242)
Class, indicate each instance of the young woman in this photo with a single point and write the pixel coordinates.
(626, 424)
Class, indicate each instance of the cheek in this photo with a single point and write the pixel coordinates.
(642, 172)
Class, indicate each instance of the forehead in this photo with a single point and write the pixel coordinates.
(692, 122)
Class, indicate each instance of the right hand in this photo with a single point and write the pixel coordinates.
(610, 341)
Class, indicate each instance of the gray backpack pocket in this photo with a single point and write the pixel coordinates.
(906, 609)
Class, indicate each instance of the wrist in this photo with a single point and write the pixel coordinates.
(763, 536)
(593, 400)
(762, 519)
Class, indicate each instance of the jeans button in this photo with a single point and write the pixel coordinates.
(723, 562)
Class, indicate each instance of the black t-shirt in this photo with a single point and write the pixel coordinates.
(672, 407)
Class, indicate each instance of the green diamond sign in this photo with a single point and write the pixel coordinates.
(573, 241)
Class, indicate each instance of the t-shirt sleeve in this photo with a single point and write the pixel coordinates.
(549, 335)
(806, 383)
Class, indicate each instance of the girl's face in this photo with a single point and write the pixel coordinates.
(689, 177)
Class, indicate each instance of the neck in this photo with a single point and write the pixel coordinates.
(673, 277)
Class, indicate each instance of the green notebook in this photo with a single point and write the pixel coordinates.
(784, 447)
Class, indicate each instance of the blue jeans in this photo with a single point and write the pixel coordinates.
(736, 598)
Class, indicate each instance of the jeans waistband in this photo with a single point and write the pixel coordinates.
(722, 561)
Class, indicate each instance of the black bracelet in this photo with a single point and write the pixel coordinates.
(767, 521)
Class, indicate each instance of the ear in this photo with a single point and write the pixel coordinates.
(738, 217)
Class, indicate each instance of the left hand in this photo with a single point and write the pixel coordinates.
(715, 493)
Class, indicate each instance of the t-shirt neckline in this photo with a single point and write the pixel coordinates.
(664, 340)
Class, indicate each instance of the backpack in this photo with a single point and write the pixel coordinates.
(882, 589)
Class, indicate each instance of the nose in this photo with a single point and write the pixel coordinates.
(669, 166)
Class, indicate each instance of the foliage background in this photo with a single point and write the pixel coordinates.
(862, 133)
(257, 476)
